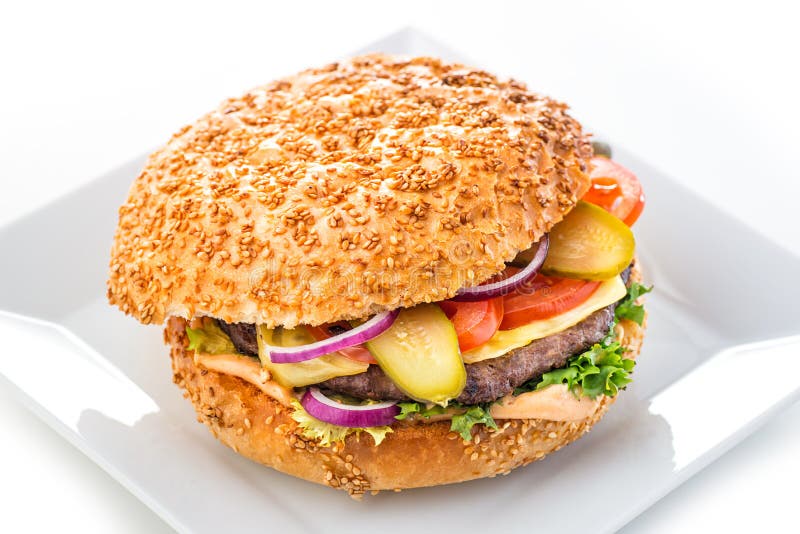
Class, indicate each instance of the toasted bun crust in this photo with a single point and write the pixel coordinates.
(260, 428)
(370, 184)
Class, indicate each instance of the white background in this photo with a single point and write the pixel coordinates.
(707, 92)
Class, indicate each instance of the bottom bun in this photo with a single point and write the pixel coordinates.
(260, 428)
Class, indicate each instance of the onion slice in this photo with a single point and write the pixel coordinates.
(336, 413)
(504, 287)
(360, 334)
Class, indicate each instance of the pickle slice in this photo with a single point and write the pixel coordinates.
(419, 352)
(302, 373)
(589, 244)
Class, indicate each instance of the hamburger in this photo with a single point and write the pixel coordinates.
(388, 273)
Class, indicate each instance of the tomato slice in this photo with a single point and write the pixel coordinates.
(615, 189)
(357, 353)
(475, 322)
(544, 297)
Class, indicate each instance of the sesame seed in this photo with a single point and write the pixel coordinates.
(313, 175)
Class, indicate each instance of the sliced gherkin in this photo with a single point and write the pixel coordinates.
(589, 244)
(302, 373)
(420, 353)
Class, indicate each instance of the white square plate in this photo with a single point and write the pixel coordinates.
(104, 381)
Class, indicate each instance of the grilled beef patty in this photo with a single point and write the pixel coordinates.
(489, 380)
(243, 336)
(486, 381)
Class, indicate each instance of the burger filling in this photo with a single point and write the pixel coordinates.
(538, 341)
(486, 381)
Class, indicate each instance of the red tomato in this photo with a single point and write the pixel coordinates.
(475, 322)
(542, 298)
(615, 189)
(358, 353)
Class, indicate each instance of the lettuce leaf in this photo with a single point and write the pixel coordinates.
(628, 309)
(210, 339)
(328, 434)
(417, 408)
(611, 336)
(475, 414)
(601, 370)
(464, 418)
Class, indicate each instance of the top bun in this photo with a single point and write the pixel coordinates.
(370, 184)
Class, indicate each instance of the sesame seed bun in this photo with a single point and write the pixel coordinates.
(260, 428)
(375, 183)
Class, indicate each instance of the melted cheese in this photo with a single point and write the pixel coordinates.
(504, 341)
(248, 370)
(554, 403)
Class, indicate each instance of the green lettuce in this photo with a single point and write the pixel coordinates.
(601, 370)
(210, 339)
(463, 419)
(417, 408)
(628, 309)
(326, 433)
(464, 422)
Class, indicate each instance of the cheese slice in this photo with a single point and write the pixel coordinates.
(504, 341)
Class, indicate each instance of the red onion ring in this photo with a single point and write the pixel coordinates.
(504, 287)
(336, 413)
(360, 334)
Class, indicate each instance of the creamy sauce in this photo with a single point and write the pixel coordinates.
(554, 403)
(248, 370)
